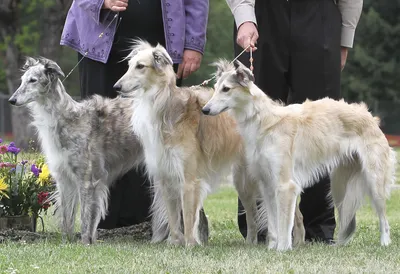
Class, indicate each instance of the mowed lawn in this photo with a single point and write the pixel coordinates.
(225, 253)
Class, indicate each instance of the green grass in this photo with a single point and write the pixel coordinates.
(398, 165)
(225, 253)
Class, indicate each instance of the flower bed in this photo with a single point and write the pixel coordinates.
(25, 187)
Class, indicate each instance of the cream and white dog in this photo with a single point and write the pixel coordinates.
(186, 152)
(289, 147)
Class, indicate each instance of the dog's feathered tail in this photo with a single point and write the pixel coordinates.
(390, 176)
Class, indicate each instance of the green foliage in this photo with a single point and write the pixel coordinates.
(28, 34)
(28, 39)
(373, 65)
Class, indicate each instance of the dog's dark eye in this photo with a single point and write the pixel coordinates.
(139, 66)
(225, 89)
(32, 80)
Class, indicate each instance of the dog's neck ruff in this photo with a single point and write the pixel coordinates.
(49, 116)
(55, 102)
(258, 106)
(147, 121)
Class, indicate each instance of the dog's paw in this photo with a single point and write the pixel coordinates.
(283, 247)
(87, 240)
(298, 241)
(70, 238)
(177, 240)
(271, 242)
(272, 245)
(385, 240)
(251, 240)
(192, 242)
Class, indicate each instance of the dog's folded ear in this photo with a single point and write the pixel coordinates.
(52, 69)
(161, 59)
(29, 61)
(243, 75)
(222, 65)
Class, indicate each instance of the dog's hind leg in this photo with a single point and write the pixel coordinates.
(380, 206)
(347, 193)
(247, 190)
(380, 176)
(171, 193)
(378, 193)
(66, 204)
(299, 233)
(287, 197)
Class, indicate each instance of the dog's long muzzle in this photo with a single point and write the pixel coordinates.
(118, 88)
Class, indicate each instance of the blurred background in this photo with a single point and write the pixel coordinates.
(33, 27)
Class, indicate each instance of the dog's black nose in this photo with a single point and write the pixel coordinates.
(206, 111)
(12, 101)
(117, 87)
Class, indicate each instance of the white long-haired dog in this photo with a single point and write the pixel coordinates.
(185, 152)
(289, 147)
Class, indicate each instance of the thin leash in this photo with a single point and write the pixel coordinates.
(86, 53)
(95, 42)
(205, 82)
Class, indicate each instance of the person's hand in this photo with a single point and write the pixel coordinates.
(247, 35)
(115, 5)
(343, 56)
(190, 63)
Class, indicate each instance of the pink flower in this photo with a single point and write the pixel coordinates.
(3, 149)
(2, 165)
(10, 165)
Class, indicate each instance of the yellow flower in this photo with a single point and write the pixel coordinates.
(44, 176)
(3, 188)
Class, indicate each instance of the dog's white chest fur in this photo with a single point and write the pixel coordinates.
(162, 161)
(57, 158)
(261, 156)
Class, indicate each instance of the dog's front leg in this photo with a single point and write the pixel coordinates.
(86, 194)
(287, 194)
(270, 201)
(67, 200)
(93, 207)
(171, 193)
(247, 188)
(192, 200)
(159, 216)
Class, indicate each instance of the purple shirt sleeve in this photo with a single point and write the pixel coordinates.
(93, 7)
(196, 12)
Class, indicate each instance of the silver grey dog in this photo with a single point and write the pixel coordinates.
(87, 144)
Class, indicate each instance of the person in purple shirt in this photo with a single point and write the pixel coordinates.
(179, 25)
